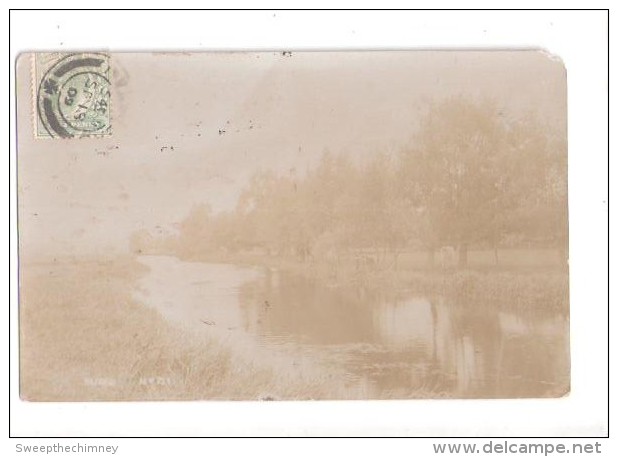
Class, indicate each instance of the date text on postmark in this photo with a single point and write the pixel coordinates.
(72, 95)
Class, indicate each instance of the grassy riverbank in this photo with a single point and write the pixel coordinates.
(83, 337)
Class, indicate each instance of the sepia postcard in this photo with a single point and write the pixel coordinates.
(292, 225)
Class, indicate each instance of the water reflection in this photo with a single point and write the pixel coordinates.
(400, 344)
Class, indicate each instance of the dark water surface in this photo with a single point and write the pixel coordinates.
(398, 343)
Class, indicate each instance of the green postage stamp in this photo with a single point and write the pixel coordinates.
(72, 95)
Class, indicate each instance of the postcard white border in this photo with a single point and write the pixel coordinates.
(579, 38)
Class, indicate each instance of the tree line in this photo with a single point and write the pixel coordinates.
(471, 177)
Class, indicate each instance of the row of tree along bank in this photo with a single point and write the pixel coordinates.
(470, 179)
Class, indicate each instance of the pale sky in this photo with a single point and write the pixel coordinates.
(277, 111)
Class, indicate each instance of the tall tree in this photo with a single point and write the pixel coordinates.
(458, 173)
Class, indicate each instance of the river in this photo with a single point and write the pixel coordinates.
(397, 343)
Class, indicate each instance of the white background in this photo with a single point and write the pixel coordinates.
(579, 38)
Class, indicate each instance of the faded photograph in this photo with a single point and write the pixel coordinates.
(292, 225)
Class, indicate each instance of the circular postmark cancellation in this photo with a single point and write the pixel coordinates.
(73, 95)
